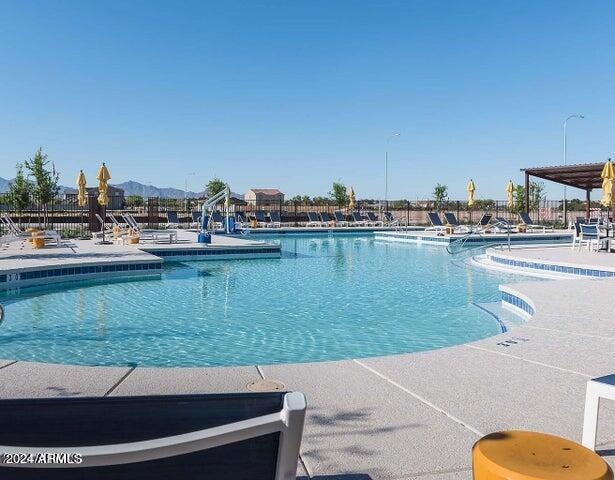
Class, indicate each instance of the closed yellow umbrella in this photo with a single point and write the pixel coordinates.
(351, 200)
(510, 188)
(470, 189)
(608, 175)
(103, 177)
(81, 194)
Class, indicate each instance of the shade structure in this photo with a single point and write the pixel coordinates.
(351, 200)
(81, 193)
(470, 189)
(608, 176)
(510, 188)
(103, 177)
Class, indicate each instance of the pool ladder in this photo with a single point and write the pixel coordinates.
(479, 233)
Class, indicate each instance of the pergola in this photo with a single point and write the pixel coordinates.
(584, 176)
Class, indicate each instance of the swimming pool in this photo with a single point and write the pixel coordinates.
(327, 298)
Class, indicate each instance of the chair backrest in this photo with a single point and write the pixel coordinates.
(503, 221)
(371, 216)
(451, 219)
(594, 220)
(11, 225)
(114, 220)
(240, 217)
(485, 219)
(325, 217)
(357, 217)
(172, 217)
(313, 217)
(339, 216)
(275, 216)
(589, 231)
(435, 219)
(100, 220)
(74, 424)
(196, 216)
(525, 218)
(216, 216)
(259, 215)
(131, 222)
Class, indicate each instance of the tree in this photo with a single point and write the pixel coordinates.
(518, 199)
(20, 191)
(45, 181)
(339, 194)
(537, 194)
(214, 186)
(134, 201)
(440, 196)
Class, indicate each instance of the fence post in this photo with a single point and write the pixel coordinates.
(458, 208)
(295, 215)
(407, 212)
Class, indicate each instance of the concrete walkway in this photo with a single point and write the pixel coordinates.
(412, 416)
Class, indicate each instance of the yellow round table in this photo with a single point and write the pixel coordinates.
(517, 455)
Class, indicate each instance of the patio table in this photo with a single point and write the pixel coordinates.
(597, 388)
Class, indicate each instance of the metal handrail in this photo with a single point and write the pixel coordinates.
(479, 233)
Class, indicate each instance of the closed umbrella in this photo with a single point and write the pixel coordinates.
(82, 198)
(351, 200)
(510, 188)
(608, 175)
(103, 199)
(470, 189)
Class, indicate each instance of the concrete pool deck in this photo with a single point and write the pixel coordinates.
(411, 416)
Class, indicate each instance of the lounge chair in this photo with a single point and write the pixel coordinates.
(436, 222)
(390, 220)
(525, 218)
(340, 218)
(259, 216)
(156, 236)
(115, 220)
(196, 219)
(451, 219)
(358, 220)
(503, 225)
(484, 222)
(14, 230)
(105, 228)
(326, 219)
(172, 219)
(240, 220)
(216, 221)
(275, 219)
(188, 437)
(313, 220)
(373, 219)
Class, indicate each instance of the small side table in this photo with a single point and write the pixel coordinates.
(522, 228)
(449, 229)
(597, 388)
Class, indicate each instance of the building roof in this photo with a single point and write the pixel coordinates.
(584, 176)
(266, 191)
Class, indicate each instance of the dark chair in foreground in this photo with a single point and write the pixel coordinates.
(373, 219)
(172, 219)
(358, 220)
(213, 437)
(340, 218)
(436, 222)
(527, 221)
(259, 216)
(484, 221)
(216, 221)
(275, 219)
(390, 220)
(313, 220)
(240, 220)
(326, 219)
(451, 219)
(196, 219)
(503, 225)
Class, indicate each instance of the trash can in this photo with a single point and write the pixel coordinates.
(229, 224)
(204, 237)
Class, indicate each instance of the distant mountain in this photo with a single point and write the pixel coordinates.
(135, 188)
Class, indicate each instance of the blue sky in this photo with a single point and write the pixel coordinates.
(296, 94)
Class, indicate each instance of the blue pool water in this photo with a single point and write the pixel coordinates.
(326, 298)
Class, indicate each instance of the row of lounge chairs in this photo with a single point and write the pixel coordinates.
(500, 224)
(14, 231)
(274, 219)
(167, 236)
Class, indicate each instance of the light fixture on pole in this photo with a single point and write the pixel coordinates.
(386, 169)
(566, 161)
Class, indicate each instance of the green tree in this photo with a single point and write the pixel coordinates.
(537, 194)
(20, 191)
(45, 181)
(214, 186)
(518, 199)
(440, 196)
(134, 201)
(339, 194)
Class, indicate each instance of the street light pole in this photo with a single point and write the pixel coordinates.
(566, 162)
(186, 190)
(386, 169)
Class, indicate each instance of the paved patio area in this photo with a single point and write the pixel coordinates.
(412, 416)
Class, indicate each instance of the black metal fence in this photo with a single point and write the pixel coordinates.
(66, 216)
